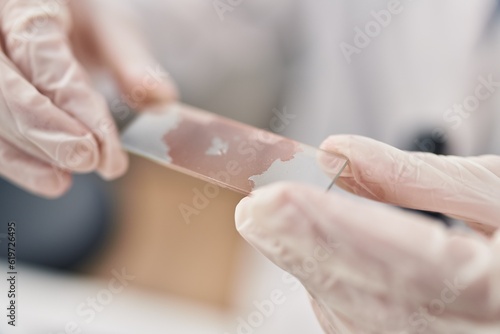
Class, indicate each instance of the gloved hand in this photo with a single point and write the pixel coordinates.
(371, 268)
(52, 121)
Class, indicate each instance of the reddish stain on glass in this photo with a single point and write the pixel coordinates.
(249, 151)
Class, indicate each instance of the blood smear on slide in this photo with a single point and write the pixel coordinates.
(225, 152)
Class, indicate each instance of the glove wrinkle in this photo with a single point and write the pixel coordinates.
(387, 271)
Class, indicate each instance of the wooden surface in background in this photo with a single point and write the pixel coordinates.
(155, 243)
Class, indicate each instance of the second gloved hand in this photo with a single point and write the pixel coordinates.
(377, 269)
(52, 121)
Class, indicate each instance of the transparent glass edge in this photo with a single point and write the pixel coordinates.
(217, 182)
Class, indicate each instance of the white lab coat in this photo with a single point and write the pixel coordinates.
(425, 61)
(287, 53)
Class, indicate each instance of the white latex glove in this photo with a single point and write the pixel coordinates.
(52, 121)
(376, 269)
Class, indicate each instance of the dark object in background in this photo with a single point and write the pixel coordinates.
(57, 233)
(427, 141)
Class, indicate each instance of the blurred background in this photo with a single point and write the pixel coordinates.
(408, 79)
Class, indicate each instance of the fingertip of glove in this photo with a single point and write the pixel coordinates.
(55, 185)
(338, 143)
(348, 144)
(166, 92)
(272, 207)
(150, 87)
(114, 167)
(341, 144)
(80, 154)
(362, 153)
(242, 213)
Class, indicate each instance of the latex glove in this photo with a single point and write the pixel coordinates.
(52, 121)
(376, 269)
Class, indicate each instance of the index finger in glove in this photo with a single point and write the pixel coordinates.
(466, 188)
(32, 123)
(115, 40)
